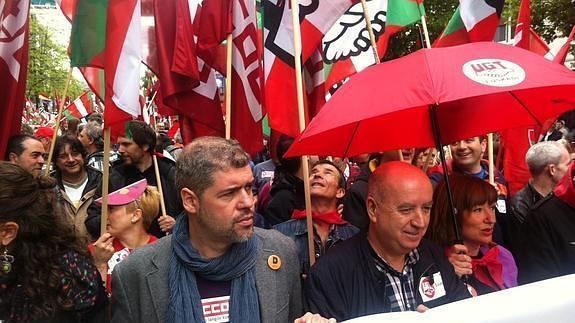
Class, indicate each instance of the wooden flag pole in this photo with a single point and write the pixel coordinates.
(367, 18)
(301, 114)
(228, 98)
(105, 180)
(57, 126)
(159, 185)
(490, 157)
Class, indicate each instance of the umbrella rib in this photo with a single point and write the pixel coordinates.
(525, 107)
(351, 139)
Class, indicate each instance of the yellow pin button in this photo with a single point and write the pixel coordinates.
(274, 262)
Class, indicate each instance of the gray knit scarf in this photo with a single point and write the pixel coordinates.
(237, 265)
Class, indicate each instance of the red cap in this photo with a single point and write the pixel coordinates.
(44, 132)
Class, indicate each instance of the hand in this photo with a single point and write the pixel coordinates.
(460, 261)
(421, 308)
(313, 318)
(166, 223)
(103, 250)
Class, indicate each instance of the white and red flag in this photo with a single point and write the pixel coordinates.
(13, 66)
(79, 108)
(122, 63)
(316, 17)
(187, 84)
(247, 78)
(473, 21)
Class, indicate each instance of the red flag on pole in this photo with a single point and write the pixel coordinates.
(13, 66)
(122, 63)
(247, 74)
(562, 54)
(195, 96)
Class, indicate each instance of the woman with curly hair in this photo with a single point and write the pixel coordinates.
(489, 267)
(46, 275)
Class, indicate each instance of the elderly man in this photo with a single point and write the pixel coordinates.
(27, 152)
(327, 187)
(391, 268)
(547, 161)
(215, 267)
(137, 150)
(547, 240)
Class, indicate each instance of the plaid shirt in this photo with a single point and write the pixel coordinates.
(399, 287)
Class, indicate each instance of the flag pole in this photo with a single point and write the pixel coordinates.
(228, 98)
(490, 157)
(159, 185)
(301, 114)
(105, 180)
(57, 125)
(367, 18)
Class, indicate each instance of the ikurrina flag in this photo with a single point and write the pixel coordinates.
(79, 108)
(316, 17)
(123, 53)
(347, 46)
(13, 66)
(473, 21)
(93, 76)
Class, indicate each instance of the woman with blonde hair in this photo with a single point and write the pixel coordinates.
(131, 210)
(488, 266)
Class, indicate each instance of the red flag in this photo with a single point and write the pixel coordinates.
(122, 63)
(523, 28)
(215, 23)
(195, 97)
(247, 112)
(562, 54)
(13, 66)
(80, 108)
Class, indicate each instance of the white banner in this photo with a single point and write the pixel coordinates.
(551, 300)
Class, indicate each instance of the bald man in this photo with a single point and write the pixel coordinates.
(391, 268)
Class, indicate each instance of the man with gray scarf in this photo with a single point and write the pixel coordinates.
(215, 267)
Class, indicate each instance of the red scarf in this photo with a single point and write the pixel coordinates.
(565, 190)
(328, 218)
(489, 269)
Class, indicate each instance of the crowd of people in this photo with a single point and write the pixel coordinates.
(232, 244)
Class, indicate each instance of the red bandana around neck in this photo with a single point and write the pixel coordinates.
(328, 218)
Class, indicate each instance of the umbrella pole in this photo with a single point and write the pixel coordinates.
(490, 157)
(301, 114)
(437, 137)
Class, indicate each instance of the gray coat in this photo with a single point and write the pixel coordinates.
(140, 282)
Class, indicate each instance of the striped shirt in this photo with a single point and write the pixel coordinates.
(399, 287)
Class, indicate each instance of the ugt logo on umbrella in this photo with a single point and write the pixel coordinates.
(494, 72)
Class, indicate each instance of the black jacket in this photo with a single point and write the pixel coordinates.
(547, 241)
(287, 195)
(345, 284)
(122, 175)
(354, 209)
(523, 201)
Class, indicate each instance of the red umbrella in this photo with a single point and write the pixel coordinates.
(476, 88)
(436, 96)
